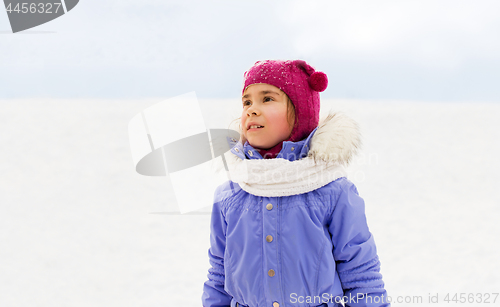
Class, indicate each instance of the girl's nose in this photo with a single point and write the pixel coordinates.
(252, 110)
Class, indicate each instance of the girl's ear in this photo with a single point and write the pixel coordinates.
(291, 111)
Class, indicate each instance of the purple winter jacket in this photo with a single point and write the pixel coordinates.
(309, 248)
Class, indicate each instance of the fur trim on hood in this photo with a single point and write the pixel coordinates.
(337, 139)
(332, 147)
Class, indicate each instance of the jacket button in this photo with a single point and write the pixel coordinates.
(269, 206)
(269, 238)
(276, 304)
(250, 153)
(292, 150)
(270, 272)
(236, 149)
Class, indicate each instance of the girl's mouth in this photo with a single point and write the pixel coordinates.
(255, 128)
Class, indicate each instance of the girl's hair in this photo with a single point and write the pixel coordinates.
(290, 111)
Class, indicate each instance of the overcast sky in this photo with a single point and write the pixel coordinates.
(439, 50)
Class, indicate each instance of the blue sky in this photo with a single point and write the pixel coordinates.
(413, 50)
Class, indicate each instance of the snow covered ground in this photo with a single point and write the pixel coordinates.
(78, 228)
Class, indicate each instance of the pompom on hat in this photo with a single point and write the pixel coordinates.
(300, 82)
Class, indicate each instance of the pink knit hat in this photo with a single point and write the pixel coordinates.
(302, 85)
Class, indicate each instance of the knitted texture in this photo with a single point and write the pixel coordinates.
(280, 177)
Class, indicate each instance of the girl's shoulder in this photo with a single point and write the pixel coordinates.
(226, 190)
(336, 187)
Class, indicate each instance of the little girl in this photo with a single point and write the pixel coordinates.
(289, 228)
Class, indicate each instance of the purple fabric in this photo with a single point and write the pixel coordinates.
(321, 246)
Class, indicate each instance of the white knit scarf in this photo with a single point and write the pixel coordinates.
(280, 177)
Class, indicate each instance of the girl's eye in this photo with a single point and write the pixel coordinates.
(245, 103)
(268, 98)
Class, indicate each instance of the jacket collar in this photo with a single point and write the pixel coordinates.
(337, 139)
(331, 145)
(291, 151)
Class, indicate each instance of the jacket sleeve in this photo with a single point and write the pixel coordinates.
(355, 252)
(214, 294)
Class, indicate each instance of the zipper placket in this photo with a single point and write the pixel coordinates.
(278, 207)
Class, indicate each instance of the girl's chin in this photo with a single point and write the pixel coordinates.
(258, 146)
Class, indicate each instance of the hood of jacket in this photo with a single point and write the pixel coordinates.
(333, 145)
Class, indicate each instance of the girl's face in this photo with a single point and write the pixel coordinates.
(265, 105)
